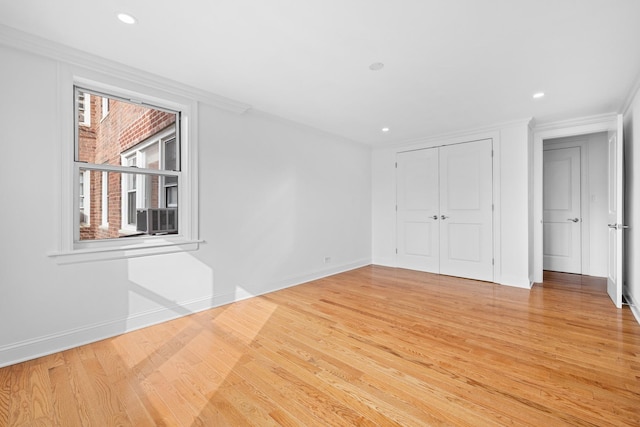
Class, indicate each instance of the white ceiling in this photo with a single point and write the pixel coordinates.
(450, 65)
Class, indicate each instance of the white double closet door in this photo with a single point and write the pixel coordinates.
(445, 210)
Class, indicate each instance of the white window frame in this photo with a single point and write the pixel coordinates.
(128, 86)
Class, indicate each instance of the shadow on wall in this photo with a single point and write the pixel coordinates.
(178, 282)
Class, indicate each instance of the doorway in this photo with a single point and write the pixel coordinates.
(575, 204)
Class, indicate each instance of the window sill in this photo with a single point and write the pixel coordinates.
(132, 250)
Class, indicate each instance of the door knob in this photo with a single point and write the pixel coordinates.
(443, 217)
(435, 217)
(573, 219)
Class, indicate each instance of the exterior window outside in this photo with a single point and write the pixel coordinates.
(129, 163)
(83, 193)
(105, 107)
(84, 108)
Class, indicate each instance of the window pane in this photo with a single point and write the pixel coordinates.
(84, 190)
(151, 156)
(105, 106)
(170, 155)
(128, 130)
(84, 112)
(131, 208)
(126, 211)
(104, 202)
(130, 182)
(172, 196)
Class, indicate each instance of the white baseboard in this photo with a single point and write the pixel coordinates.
(516, 282)
(633, 305)
(53, 343)
(48, 344)
(386, 262)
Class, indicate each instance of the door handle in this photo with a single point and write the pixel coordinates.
(573, 219)
(443, 217)
(617, 226)
(435, 217)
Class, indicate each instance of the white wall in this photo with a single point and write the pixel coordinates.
(275, 200)
(513, 172)
(632, 204)
(594, 198)
(511, 192)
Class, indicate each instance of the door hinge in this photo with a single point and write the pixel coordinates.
(493, 261)
(396, 208)
(396, 250)
(491, 153)
(396, 165)
(492, 207)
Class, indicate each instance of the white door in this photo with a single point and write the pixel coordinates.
(615, 218)
(417, 210)
(466, 210)
(562, 221)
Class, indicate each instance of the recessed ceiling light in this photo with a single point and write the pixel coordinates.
(538, 95)
(126, 18)
(385, 129)
(376, 66)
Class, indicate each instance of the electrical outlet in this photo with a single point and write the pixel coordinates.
(327, 259)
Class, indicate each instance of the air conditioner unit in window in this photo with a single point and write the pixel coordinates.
(157, 220)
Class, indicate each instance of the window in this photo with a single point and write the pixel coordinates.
(84, 108)
(105, 107)
(170, 183)
(83, 198)
(134, 167)
(104, 202)
(128, 183)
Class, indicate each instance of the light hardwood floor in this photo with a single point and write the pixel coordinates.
(374, 346)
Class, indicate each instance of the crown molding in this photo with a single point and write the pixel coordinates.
(474, 133)
(305, 127)
(576, 123)
(37, 45)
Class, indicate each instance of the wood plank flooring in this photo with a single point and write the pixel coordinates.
(374, 346)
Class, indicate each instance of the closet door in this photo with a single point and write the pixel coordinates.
(417, 210)
(466, 210)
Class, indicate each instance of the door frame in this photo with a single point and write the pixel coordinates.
(596, 124)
